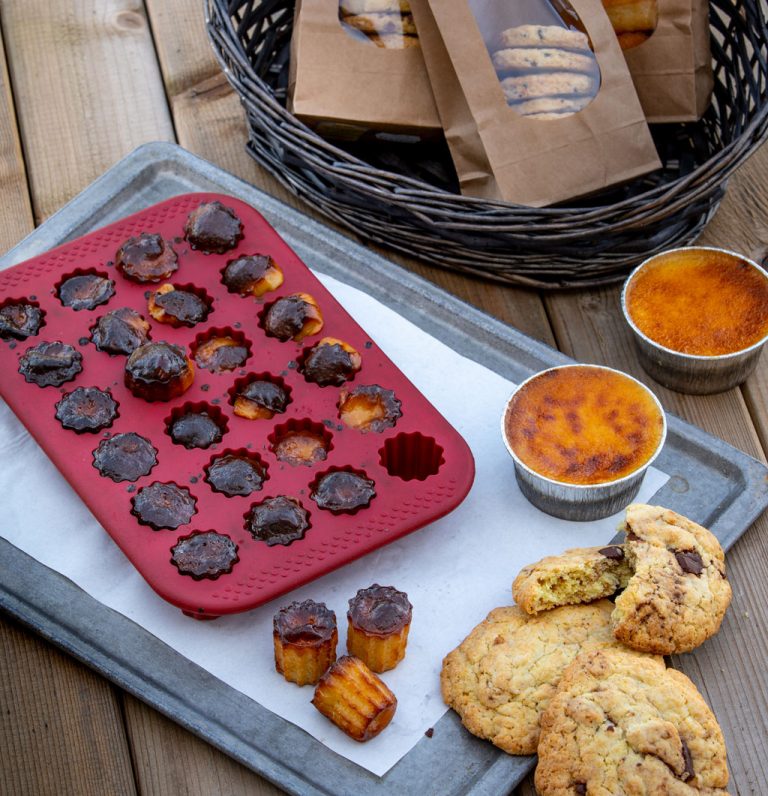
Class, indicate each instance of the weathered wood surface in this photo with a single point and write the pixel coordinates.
(91, 80)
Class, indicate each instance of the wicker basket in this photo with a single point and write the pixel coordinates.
(407, 202)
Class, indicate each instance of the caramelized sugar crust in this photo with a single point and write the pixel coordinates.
(583, 425)
(706, 303)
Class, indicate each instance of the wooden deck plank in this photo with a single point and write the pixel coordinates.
(87, 88)
(60, 725)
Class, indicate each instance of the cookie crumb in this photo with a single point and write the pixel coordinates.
(430, 732)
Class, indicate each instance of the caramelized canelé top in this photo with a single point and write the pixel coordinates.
(699, 301)
(583, 425)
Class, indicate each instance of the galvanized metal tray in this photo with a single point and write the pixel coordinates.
(710, 481)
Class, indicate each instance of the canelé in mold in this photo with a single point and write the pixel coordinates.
(158, 371)
(177, 306)
(162, 505)
(50, 364)
(213, 228)
(300, 446)
(252, 275)
(278, 520)
(378, 621)
(19, 320)
(85, 291)
(260, 399)
(293, 318)
(305, 637)
(343, 491)
(369, 408)
(221, 353)
(236, 474)
(205, 554)
(86, 409)
(196, 429)
(331, 362)
(146, 258)
(125, 457)
(120, 331)
(356, 700)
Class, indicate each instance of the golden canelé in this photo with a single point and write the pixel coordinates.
(699, 301)
(583, 425)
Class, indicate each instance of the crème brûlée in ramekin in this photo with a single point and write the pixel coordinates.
(581, 437)
(704, 302)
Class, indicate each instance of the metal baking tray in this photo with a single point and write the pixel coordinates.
(710, 481)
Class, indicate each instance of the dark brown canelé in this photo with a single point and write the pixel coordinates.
(50, 364)
(369, 408)
(331, 362)
(260, 399)
(120, 331)
(356, 700)
(162, 505)
(146, 258)
(86, 291)
(343, 491)
(305, 637)
(195, 430)
(234, 474)
(86, 409)
(221, 353)
(379, 619)
(176, 306)
(252, 275)
(20, 320)
(158, 372)
(278, 520)
(125, 457)
(204, 555)
(301, 447)
(293, 318)
(213, 228)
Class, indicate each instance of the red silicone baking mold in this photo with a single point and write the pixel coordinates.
(422, 467)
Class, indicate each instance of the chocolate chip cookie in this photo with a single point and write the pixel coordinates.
(621, 724)
(502, 676)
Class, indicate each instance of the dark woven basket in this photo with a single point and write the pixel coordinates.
(405, 198)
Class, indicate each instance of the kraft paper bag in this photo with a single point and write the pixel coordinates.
(345, 86)
(543, 158)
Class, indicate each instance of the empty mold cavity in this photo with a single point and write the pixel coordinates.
(221, 349)
(85, 289)
(259, 396)
(411, 457)
(180, 305)
(196, 425)
(342, 490)
(299, 442)
(238, 472)
(20, 318)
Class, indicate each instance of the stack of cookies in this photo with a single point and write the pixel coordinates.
(633, 20)
(579, 679)
(387, 23)
(546, 71)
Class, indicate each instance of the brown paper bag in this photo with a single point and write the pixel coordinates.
(672, 69)
(499, 153)
(345, 86)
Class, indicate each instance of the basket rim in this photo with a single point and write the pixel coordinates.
(394, 185)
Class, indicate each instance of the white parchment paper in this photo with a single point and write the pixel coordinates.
(454, 571)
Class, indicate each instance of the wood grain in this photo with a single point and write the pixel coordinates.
(87, 88)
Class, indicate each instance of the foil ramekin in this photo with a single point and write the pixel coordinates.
(580, 502)
(692, 373)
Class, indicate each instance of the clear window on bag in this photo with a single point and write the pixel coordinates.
(633, 20)
(385, 23)
(542, 55)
